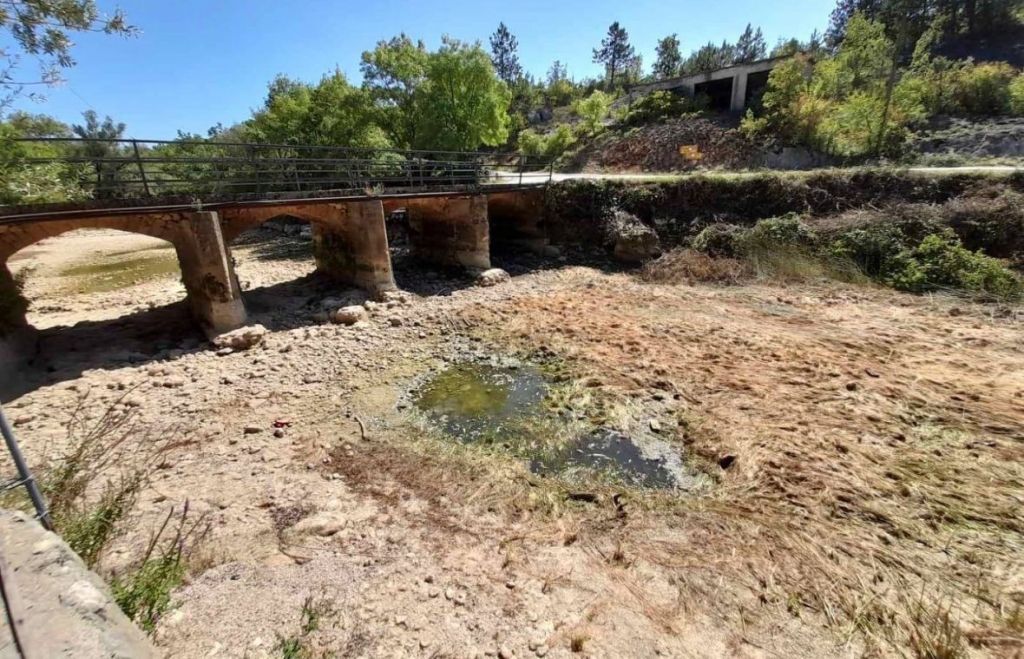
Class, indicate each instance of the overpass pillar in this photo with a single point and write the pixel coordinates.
(739, 92)
(450, 231)
(209, 277)
(351, 246)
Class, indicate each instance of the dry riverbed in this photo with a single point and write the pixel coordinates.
(852, 460)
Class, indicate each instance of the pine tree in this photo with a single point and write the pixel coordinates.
(615, 52)
(751, 46)
(504, 54)
(670, 60)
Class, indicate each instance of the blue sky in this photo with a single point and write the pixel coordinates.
(199, 62)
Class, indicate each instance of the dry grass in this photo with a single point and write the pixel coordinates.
(877, 480)
(689, 266)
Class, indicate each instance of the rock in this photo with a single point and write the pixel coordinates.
(350, 315)
(504, 653)
(492, 277)
(395, 321)
(252, 430)
(370, 306)
(224, 352)
(542, 651)
(634, 241)
(84, 597)
(241, 339)
(550, 251)
(655, 425)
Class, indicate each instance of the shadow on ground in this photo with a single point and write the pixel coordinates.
(62, 354)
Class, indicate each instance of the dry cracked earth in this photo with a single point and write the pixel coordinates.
(859, 452)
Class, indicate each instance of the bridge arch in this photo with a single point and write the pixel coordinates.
(17, 236)
(350, 243)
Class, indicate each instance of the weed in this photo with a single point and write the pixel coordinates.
(93, 485)
(298, 645)
(578, 641)
(144, 592)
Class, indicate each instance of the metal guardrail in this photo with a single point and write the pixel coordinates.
(125, 169)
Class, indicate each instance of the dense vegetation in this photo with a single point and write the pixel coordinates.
(858, 91)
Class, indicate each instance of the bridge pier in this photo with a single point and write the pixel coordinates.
(350, 244)
(450, 231)
(12, 303)
(209, 277)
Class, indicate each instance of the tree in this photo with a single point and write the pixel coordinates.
(670, 60)
(100, 142)
(593, 110)
(392, 73)
(505, 56)
(709, 58)
(41, 29)
(462, 104)
(751, 46)
(615, 52)
(560, 89)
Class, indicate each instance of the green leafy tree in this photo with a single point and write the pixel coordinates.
(615, 52)
(670, 60)
(462, 105)
(42, 30)
(751, 46)
(100, 143)
(393, 72)
(593, 110)
(22, 179)
(505, 55)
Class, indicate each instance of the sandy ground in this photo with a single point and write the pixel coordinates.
(865, 449)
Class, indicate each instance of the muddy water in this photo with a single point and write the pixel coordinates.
(115, 275)
(477, 403)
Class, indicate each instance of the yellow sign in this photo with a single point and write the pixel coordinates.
(691, 152)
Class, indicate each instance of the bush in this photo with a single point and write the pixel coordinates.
(719, 240)
(941, 261)
(553, 146)
(786, 231)
(593, 110)
(687, 265)
(1017, 96)
(658, 107)
(983, 89)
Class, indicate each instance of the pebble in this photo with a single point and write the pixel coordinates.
(252, 430)
(655, 425)
(504, 653)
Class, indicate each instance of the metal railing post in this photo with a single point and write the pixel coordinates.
(142, 170)
(24, 474)
(522, 166)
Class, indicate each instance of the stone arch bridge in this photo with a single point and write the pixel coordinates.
(349, 233)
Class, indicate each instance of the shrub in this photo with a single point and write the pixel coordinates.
(786, 231)
(1017, 96)
(719, 240)
(983, 89)
(942, 261)
(553, 146)
(687, 265)
(593, 110)
(658, 107)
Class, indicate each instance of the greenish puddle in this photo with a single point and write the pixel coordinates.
(115, 275)
(504, 406)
